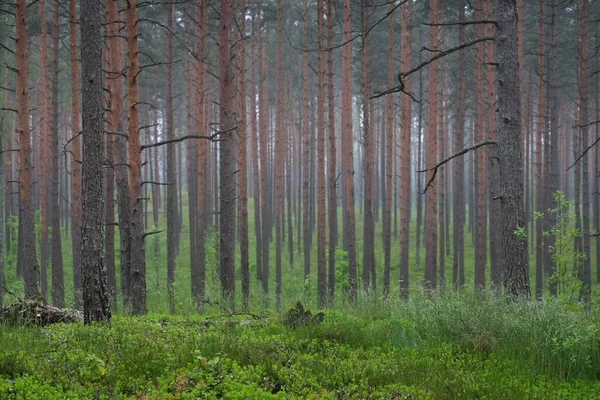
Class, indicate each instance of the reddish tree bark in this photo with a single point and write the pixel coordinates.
(389, 157)
(368, 163)
(321, 239)
(331, 158)
(431, 145)
(228, 152)
(137, 279)
(243, 164)
(405, 148)
(58, 285)
(45, 141)
(347, 151)
(540, 123)
(27, 258)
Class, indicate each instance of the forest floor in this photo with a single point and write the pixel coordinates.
(445, 346)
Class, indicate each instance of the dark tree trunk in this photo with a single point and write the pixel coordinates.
(58, 285)
(27, 258)
(171, 171)
(228, 163)
(431, 144)
(111, 45)
(515, 266)
(96, 301)
(321, 235)
(553, 147)
(405, 149)
(137, 275)
(331, 156)
(458, 209)
(389, 157)
(347, 151)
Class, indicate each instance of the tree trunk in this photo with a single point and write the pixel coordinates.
(331, 158)
(137, 276)
(254, 138)
(583, 123)
(405, 148)
(369, 161)
(515, 267)
(458, 208)
(347, 151)
(228, 153)
(431, 145)
(553, 147)
(480, 198)
(243, 165)
(96, 302)
(28, 259)
(264, 175)
(492, 159)
(58, 285)
(115, 85)
(305, 152)
(45, 146)
(389, 158)
(171, 168)
(111, 76)
(279, 152)
(321, 239)
(541, 113)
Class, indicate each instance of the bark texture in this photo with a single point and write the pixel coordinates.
(96, 301)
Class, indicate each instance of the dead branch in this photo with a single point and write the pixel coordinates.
(182, 138)
(445, 160)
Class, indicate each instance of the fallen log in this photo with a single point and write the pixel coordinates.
(37, 312)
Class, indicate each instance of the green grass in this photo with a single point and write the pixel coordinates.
(444, 345)
(447, 346)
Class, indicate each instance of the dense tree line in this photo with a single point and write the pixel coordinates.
(443, 125)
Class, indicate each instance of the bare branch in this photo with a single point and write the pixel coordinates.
(182, 138)
(445, 160)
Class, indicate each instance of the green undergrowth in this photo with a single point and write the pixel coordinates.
(439, 347)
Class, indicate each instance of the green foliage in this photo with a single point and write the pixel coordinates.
(431, 347)
(567, 259)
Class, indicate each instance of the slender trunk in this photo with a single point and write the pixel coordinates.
(541, 111)
(405, 148)
(115, 86)
(243, 164)
(171, 171)
(321, 240)
(264, 176)
(137, 276)
(305, 152)
(279, 152)
(480, 206)
(431, 145)
(227, 162)
(458, 208)
(553, 147)
(58, 285)
(45, 146)
(28, 259)
(441, 129)
(254, 143)
(492, 162)
(583, 123)
(347, 151)
(331, 159)
(389, 153)
(369, 161)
